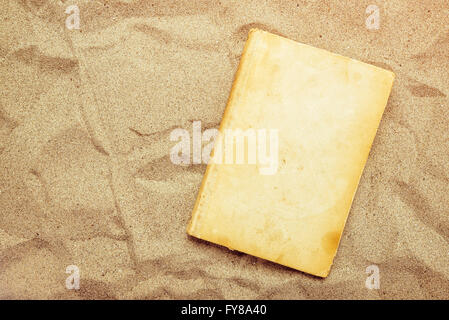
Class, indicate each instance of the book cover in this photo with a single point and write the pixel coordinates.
(305, 119)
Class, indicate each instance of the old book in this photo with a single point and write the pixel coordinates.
(325, 110)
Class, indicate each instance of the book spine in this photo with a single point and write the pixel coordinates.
(239, 83)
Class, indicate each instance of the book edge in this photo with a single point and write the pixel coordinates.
(191, 227)
(392, 74)
(360, 176)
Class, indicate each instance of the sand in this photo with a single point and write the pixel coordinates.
(86, 178)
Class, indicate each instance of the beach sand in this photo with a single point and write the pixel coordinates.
(86, 178)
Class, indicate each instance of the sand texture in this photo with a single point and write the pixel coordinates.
(85, 173)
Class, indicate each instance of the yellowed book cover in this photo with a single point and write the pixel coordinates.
(308, 119)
